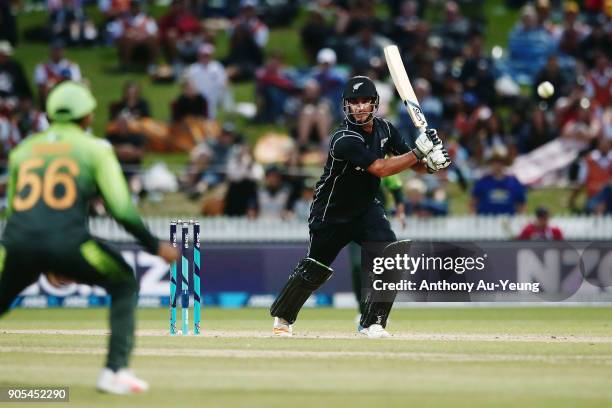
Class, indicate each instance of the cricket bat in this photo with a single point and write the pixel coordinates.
(403, 86)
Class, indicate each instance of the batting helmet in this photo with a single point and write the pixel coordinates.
(359, 87)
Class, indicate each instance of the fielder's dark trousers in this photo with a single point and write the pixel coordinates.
(91, 262)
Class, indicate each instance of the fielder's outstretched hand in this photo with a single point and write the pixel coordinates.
(168, 252)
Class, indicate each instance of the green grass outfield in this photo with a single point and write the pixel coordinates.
(552, 357)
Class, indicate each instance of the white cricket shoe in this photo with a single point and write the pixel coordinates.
(282, 328)
(122, 382)
(375, 331)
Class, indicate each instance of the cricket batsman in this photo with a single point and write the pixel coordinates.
(345, 207)
(53, 176)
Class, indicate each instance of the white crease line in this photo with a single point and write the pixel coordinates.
(337, 335)
(237, 353)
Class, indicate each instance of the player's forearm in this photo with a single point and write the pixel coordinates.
(393, 165)
(136, 227)
(118, 200)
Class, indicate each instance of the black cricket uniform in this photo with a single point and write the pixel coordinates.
(345, 207)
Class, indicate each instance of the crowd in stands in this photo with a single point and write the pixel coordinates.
(484, 104)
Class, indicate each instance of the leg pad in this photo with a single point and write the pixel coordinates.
(307, 277)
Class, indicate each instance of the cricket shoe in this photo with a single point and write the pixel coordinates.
(375, 331)
(121, 382)
(282, 328)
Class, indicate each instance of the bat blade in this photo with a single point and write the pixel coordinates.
(403, 86)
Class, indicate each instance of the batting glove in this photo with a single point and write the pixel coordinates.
(424, 145)
(432, 134)
(438, 159)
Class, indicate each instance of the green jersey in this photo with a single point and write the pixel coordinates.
(53, 176)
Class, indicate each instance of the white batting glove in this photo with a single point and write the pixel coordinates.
(432, 134)
(424, 145)
(438, 159)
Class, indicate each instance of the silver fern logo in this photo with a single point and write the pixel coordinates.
(356, 86)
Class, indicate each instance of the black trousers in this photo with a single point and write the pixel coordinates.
(327, 240)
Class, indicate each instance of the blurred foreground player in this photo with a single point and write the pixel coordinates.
(53, 175)
(345, 207)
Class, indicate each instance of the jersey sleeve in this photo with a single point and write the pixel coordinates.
(398, 144)
(351, 148)
(113, 187)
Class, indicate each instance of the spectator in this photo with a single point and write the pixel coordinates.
(540, 229)
(585, 127)
(242, 174)
(208, 162)
(180, 33)
(366, 49)
(497, 192)
(112, 11)
(132, 104)
(386, 92)
(244, 55)
(454, 30)
(567, 107)
(9, 138)
(594, 174)
(130, 149)
(360, 12)
(273, 87)
(535, 132)
(477, 72)
(316, 34)
(57, 69)
(28, 119)
(247, 16)
(542, 8)
(406, 25)
(127, 137)
(272, 196)
(598, 41)
(135, 33)
(529, 45)
(331, 81)
(190, 103)
(417, 202)
(314, 119)
(209, 78)
(572, 31)
(68, 22)
(551, 73)
(13, 82)
(599, 81)
(8, 26)
(189, 116)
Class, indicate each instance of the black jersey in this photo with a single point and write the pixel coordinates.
(346, 189)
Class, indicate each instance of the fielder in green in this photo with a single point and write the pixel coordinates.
(53, 176)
